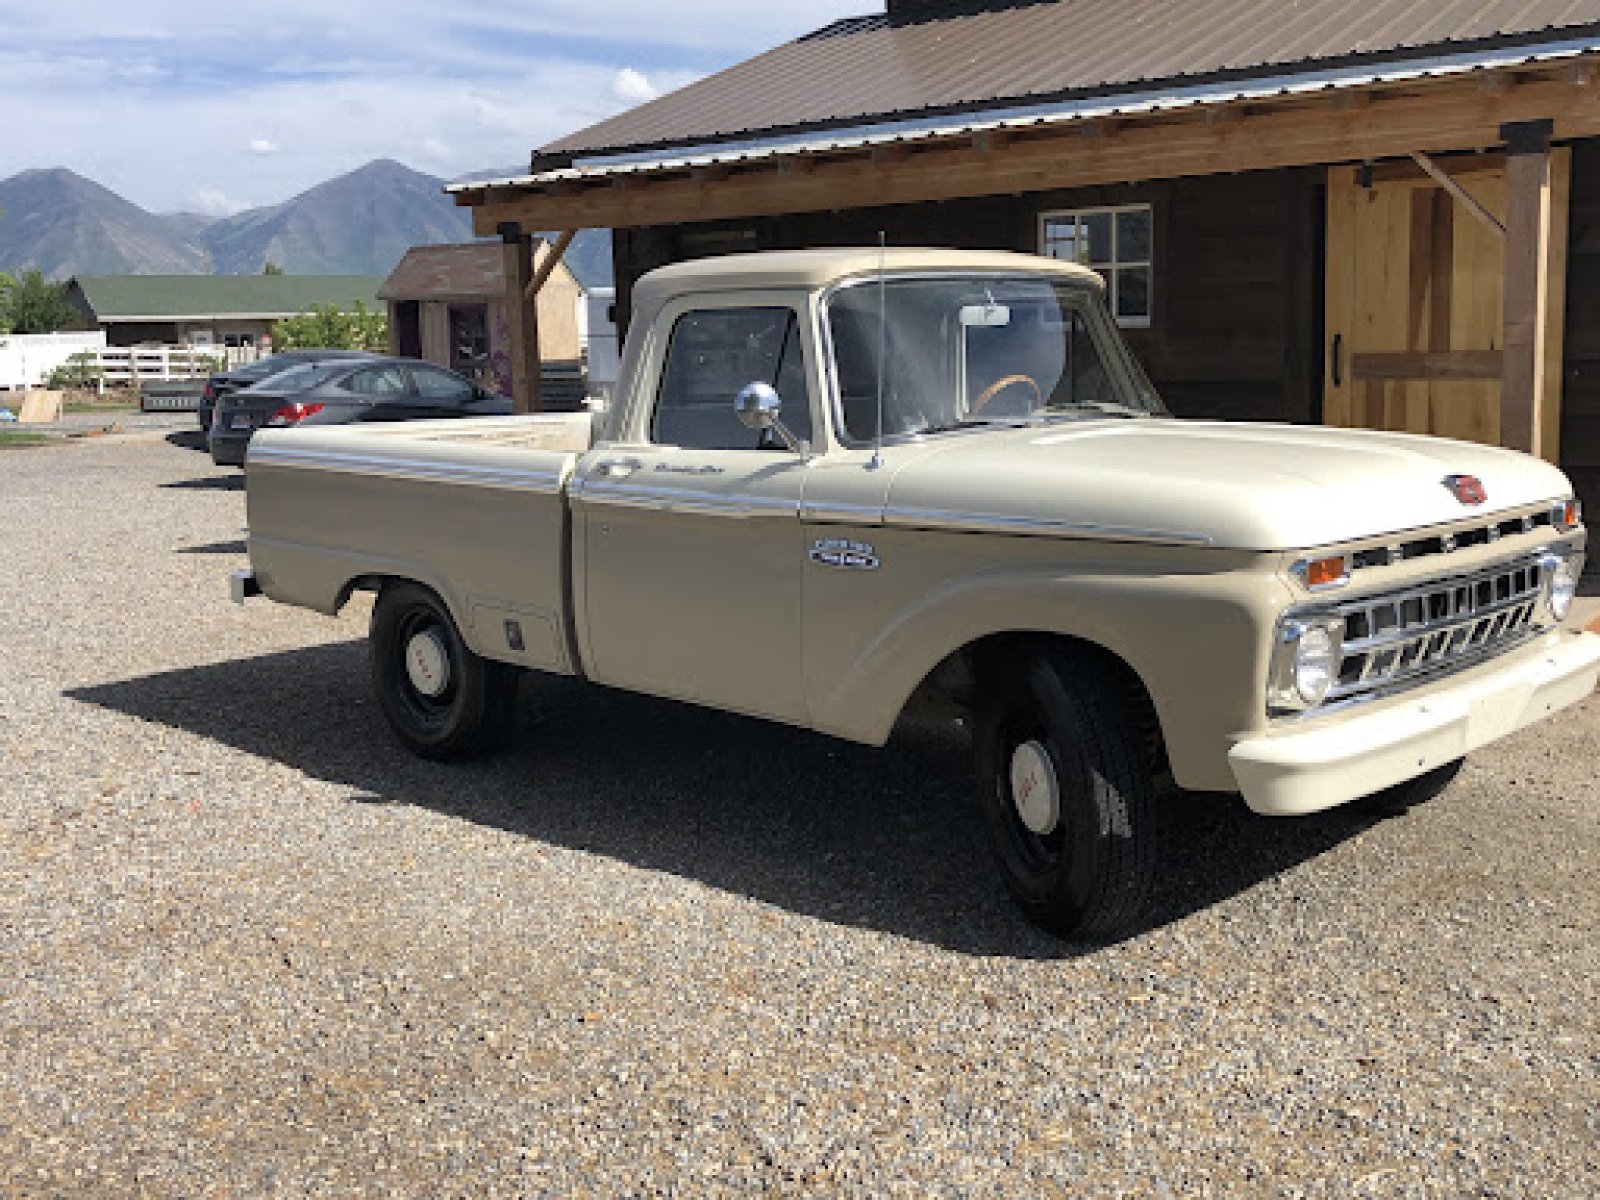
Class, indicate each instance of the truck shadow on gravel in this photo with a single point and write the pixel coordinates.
(881, 839)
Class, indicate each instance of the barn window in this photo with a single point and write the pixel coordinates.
(1113, 241)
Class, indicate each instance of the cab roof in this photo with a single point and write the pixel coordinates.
(808, 270)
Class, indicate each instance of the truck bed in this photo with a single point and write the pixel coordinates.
(475, 509)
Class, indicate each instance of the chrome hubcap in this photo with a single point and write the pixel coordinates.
(1034, 789)
(427, 664)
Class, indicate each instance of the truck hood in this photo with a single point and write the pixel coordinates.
(1246, 487)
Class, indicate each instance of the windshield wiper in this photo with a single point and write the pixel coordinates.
(973, 423)
(1098, 406)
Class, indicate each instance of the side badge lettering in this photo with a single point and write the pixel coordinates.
(846, 555)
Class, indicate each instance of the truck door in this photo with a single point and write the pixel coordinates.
(691, 542)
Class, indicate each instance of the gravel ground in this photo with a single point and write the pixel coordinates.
(251, 948)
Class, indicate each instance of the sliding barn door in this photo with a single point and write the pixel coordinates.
(1415, 300)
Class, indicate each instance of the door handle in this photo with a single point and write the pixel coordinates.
(1337, 356)
(617, 468)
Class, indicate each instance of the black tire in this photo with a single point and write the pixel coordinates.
(1089, 876)
(473, 710)
(1402, 797)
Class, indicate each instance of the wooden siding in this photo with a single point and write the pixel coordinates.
(1236, 325)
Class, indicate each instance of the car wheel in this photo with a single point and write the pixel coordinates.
(1402, 797)
(1065, 784)
(205, 420)
(441, 699)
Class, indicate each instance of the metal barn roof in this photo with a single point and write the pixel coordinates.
(199, 297)
(869, 69)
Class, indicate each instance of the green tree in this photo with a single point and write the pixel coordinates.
(35, 305)
(327, 327)
(80, 372)
(271, 268)
(7, 286)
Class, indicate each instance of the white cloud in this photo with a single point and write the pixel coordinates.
(216, 203)
(182, 94)
(632, 87)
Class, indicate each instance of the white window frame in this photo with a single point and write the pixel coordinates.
(1111, 271)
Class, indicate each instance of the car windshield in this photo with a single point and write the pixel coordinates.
(976, 351)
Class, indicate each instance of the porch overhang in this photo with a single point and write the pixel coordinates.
(1438, 105)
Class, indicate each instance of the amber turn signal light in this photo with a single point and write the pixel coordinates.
(1319, 573)
(1567, 515)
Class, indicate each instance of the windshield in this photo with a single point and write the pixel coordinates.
(959, 352)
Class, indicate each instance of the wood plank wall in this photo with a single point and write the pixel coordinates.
(1580, 403)
(1236, 330)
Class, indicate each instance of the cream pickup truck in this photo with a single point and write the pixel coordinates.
(841, 486)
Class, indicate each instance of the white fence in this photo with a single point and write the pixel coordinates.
(26, 359)
(133, 365)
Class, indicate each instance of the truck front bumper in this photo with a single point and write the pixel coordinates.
(1320, 763)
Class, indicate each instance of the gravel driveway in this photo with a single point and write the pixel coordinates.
(251, 948)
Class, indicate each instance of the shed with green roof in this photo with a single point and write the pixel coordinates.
(215, 310)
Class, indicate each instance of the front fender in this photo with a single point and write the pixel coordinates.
(1198, 641)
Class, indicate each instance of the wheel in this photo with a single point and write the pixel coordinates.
(1065, 783)
(441, 699)
(1396, 800)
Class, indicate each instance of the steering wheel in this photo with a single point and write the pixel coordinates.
(1000, 385)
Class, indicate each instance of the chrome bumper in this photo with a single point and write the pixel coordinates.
(1310, 766)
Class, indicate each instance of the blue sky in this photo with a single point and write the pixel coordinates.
(216, 107)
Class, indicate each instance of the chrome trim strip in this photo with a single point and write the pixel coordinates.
(687, 500)
(841, 514)
(925, 518)
(468, 474)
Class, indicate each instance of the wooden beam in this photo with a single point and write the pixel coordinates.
(550, 263)
(1462, 197)
(988, 141)
(1457, 166)
(1438, 365)
(522, 317)
(1583, 74)
(1295, 132)
(1527, 285)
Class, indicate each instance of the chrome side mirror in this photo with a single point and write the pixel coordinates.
(759, 406)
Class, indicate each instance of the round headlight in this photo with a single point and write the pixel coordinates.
(1563, 586)
(1316, 664)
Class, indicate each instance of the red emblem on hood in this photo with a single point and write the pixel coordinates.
(1467, 488)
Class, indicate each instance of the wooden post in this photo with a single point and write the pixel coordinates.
(522, 318)
(1527, 285)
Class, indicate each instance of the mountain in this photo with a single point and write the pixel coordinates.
(188, 225)
(64, 224)
(358, 224)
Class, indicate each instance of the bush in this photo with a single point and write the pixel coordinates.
(79, 372)
(328, 328)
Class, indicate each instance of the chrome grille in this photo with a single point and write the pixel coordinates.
(1445, 624)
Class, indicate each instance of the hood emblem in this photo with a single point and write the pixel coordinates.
(1466, 488)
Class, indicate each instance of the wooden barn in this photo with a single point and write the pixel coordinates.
(1384, 214)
